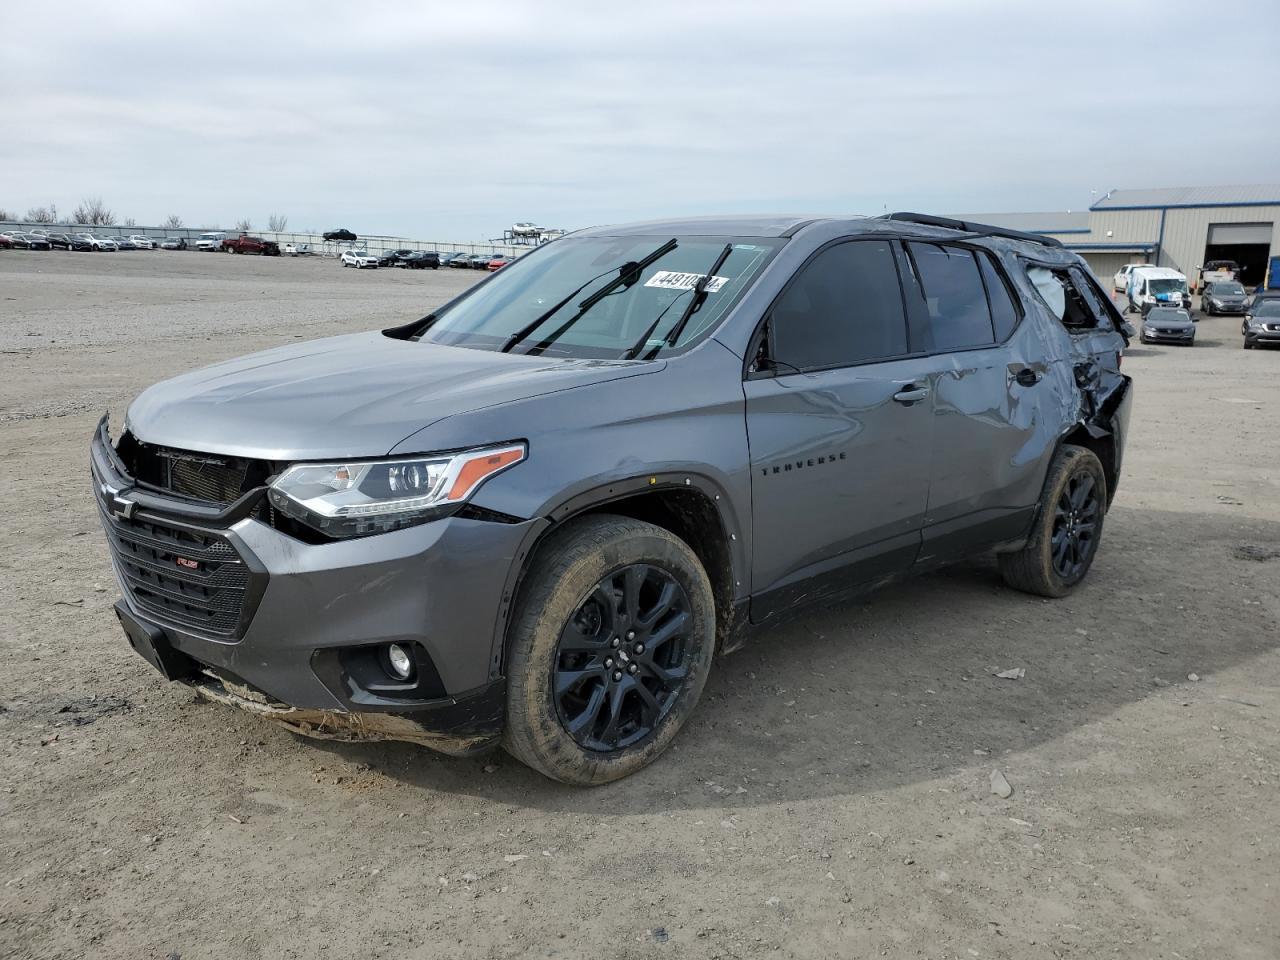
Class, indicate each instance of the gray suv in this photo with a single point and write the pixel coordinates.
(534, 516)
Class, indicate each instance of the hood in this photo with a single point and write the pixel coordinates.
(1157, 321)
(349, 396)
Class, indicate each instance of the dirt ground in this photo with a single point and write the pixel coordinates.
(830, 798)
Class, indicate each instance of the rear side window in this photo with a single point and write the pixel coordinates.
(1069, 296)
(843, 307)
(955, 295)
(1004, 314)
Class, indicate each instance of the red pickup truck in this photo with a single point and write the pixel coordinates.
(247, 244)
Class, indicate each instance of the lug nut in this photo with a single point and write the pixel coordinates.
(639, 648)
(617, 675)
(615, 642)
(631, 634)
(632, 668)
(608, 663)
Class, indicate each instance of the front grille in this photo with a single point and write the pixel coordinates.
(212, 478)
(207, 593)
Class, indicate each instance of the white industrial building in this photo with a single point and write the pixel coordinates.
(1179, 227)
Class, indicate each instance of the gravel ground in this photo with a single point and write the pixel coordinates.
(831, 796)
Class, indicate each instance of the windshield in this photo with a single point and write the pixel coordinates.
(1167, 316)
(209, 236)
(491, 317)
(1228, 290)
(1167, 286)
(1267, 308)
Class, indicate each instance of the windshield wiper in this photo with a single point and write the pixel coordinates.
(644, 337)
(626, 271)
(699, 295)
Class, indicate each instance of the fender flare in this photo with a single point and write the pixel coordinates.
(602, 495)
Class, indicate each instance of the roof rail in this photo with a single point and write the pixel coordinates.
(980, 229)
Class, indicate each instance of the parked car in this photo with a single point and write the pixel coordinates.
(142, 242)
(1222, 296)
(1260, 295)
(420, 260)
(1169, 325)
(1120, 282)
(58, 241)
(98, 243)
(1261, 325)
(28, 241)
(297, 250)
(360, 259)
(389, 258)
(479, 261)
(455, 259)
(250, 244)
(210, 242)
(497, 263)
(6, 242)
(341, 235)
(173, 243)
(78, 243)
(559, 545)
(124, 243)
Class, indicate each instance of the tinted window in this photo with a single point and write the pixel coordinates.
(844, 307)
(954, 294)
(1004, 315)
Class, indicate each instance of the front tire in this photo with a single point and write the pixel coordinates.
(609, 649)
(1068, 527)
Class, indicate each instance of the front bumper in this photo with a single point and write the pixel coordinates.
(311, 611)
(1180, 336)
(1263, 336)
(1228, 308)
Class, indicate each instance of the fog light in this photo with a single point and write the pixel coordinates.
(400, 661)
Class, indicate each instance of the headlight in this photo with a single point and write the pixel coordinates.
(356, 498)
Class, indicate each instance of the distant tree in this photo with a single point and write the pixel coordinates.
(172, 222)
(47, 214)
(7, 215)
(277, 223)
(130, 222)
(93, 212)
(244, 226)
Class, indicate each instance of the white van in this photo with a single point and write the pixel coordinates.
(1157, 286)
(210, 241)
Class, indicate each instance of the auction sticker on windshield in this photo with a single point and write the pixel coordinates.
(671, 280)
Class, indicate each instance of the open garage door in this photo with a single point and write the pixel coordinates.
(1248, 244)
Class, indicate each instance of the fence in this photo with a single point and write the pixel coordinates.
(314, 241)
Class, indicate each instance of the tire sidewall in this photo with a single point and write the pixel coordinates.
(553, 593)
(1074, 460)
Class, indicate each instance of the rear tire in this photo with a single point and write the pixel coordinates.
(1067, 530)
(586, 702)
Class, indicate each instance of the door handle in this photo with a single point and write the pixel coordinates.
(911, 393)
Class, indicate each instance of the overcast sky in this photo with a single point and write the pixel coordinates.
(450, 121)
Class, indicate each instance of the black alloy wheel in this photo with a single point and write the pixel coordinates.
(623, 658)
(1075, 525)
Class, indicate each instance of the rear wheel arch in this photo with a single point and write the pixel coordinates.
(1102, 444)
